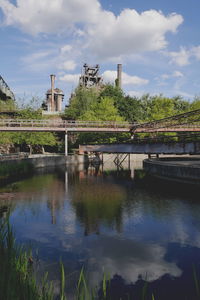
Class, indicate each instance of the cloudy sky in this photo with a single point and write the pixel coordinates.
(157, 41)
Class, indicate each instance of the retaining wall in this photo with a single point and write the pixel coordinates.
(39, 161)
(175, 169)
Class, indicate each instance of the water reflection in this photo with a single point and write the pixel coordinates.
(108, 221)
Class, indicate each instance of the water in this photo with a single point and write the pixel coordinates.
(109, 222)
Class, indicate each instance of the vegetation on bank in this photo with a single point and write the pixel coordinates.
(17, 280)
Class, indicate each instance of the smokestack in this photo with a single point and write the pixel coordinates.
(119, 75)
(52, 91)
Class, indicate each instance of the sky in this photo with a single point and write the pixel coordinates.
(156, 41)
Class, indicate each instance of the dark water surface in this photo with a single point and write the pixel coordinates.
(110, 223)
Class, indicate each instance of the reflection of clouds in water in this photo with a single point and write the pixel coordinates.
(129, 259)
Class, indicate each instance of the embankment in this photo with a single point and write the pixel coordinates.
(16, 167)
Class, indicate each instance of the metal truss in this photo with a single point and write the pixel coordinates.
(5, 90)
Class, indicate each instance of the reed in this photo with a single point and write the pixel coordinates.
(17, 280)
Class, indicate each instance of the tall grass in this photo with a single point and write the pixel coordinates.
(17, 280)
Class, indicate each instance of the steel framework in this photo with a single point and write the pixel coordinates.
(5, 90)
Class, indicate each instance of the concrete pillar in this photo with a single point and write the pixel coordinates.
(52, 92)
(66, 144)
(119, 75)
(59, 103)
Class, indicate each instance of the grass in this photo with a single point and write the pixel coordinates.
(17, 280)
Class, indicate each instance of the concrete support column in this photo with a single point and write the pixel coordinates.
(66, 144)
(119, 75)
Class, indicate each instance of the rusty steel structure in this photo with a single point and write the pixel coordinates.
(188, 122)
(5, 91)
(186, 125)
(66, 126)
(90, 77)
(185, 122)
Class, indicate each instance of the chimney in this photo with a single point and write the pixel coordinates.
(119, 75)
(52, 92)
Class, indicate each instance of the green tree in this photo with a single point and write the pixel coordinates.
(81, 101)
(101, 111)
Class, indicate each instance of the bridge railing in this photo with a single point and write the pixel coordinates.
(62, 124)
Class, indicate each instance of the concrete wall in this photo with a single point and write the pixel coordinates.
(174, 169)
(40, 161)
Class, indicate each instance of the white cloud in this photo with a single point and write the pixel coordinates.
(70, 78)
(180, 58)
(164, 76)
(68, 65)
(110, 76)
(131, 32)
(196, 52)
(106, 35)
(65, 49)
(183, 56)
(177, 74)
(49, 16)
(135, 93)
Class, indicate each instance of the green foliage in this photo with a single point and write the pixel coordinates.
(28, 111)
(195, 104)
(7, 106)
(81, 102)
(130, 109)
(102, 111)
(113, 92)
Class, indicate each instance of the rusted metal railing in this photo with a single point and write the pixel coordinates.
(62, 124)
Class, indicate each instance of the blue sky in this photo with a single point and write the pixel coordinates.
(157, 41)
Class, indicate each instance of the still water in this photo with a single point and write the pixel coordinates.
(109, 221)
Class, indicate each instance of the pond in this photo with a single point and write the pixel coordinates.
(110, 222)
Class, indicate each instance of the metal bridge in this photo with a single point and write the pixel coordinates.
(5, 91)
(185, 122)
(66, 126)
(182, 125)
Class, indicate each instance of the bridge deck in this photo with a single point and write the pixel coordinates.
(87, 126)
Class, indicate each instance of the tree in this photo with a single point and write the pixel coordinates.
(81, 102)
(130, 109)
(100, 111)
